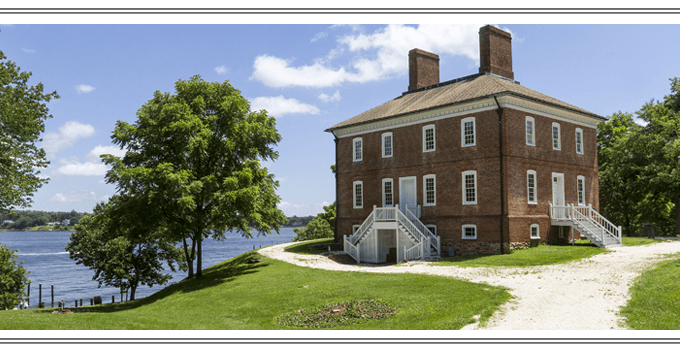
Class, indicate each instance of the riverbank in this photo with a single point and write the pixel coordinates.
(70, 228)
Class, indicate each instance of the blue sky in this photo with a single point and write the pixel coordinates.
(310, 77)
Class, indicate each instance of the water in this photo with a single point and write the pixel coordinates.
(44, 255)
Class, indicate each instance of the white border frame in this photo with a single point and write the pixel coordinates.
(462, 132)
(434, 138)
(354, 149)
(390, 180)
(582, 178)
(538, 231)
(463, 231)
(382, 137)
(576, 133)
(535, 201)
(533, 130)
(559, 136)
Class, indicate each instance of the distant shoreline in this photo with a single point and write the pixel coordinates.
(42, 229)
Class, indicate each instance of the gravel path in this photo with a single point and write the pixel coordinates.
(585, 294)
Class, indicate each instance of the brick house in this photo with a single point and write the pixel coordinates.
(469, 166)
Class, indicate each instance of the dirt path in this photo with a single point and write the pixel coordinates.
(586, 294)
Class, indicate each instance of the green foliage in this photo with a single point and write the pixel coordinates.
(336, 315)
(322, 226)
(110, 244)
(535, 256)
(193, 157)
(25, 219)
(298, 221)
(22, 116)
(13, 280)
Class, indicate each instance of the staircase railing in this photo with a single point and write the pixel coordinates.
(413, 253)
(599, 220)
(363, 229)
(431, 238)
(585, 214)
(351, 249)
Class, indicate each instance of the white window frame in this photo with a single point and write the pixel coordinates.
(535, 201)
(462, 132)
(559, 136)
(354, 149)
(434, 189)
(384, 135)
(432, 228)
(468, 226)
(434, 138)
(538, 231)
(579, 145)
(581, 194)
(531, 139)
(469, 172)
(355, 228)
(354, 194)
(384, 197)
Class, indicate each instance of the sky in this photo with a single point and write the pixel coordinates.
(308, 76)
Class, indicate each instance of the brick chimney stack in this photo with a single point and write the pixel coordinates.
(495, 52)
(423, 68)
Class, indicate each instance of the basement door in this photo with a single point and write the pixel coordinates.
(407, 193)
(558, 194)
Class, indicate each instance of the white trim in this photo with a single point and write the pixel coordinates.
(383, 192)
(576, 134)
(469, 172)
(354, 149)
(431, 227)
(538, 231)
(582, 192)
(487, 104)
(532, 172)
(462, 132)
(528, 119)
(559, 136)
(434, 190)
(384, 135)
(354, 194)
(468, 226)
(434, 138)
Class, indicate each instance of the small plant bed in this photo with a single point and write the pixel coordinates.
(336, 315)
(633, 241)
(316, 246)
(536, 256)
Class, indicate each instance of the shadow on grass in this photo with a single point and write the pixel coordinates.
(213, 276)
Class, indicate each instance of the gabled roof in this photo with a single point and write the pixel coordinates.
(452, 92)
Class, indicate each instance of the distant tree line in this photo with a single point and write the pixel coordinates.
(24, 219)
(295, 221)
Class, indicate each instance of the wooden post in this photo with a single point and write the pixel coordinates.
(81, 302)
(28, 299)
(39, 293)
(76, 301)
(113, 299)
(91, 302)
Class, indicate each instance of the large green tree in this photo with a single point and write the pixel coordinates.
(23, 112)
(122, 251)
(13, 279)
(194, 158)
(322, 226)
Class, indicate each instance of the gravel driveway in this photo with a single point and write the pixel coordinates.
(585, 294)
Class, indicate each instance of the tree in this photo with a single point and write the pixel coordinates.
(110, 243)
(13, 279)
(194, 158)
(320, 227)
(22, 115)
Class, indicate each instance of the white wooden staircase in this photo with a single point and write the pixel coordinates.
(588, 222)
(425, 244)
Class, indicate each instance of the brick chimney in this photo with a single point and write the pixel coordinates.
(495, 52)
(423, 69)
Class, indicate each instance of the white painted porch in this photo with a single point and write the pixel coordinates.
(588, 222)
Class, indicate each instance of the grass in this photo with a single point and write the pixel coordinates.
(655, 298)
(303, 247)
(236, 294)
(633, 241)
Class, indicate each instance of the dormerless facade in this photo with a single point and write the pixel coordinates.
(465, 166)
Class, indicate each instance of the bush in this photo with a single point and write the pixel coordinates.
(317, 228)
(13, 279)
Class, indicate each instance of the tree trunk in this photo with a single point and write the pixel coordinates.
(199, 258)
(190, 261)
(133, 289)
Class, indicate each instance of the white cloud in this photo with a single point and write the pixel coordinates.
(28, 51)
(68, 134)
(278, 106)
(73, 167)
(221, 70)
(380, 55)
(318, 36)
(99, 150)
(83, 89)
(280, 179)
(334, 98)
(59, 197)
(74, 196)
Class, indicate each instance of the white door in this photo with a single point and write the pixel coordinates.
(558, 194)
(407, 193)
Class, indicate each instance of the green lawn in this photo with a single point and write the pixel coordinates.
(633, 241)
(303, 247)
(239, 295)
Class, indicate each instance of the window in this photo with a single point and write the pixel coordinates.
(432, 228)
(429, 195)
(388, 196)
(579, 141)
(470, 187)
(580, 186)
(358, 194)
(531, 137)
(467, 127)
(387, 145)
(355, 228)
(469, 231)
(531, 186)
(358, 149)
(557, 144)
(535, 234)
(428, 138)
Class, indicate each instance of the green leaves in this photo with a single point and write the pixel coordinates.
(322, 226)
(13, 280)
